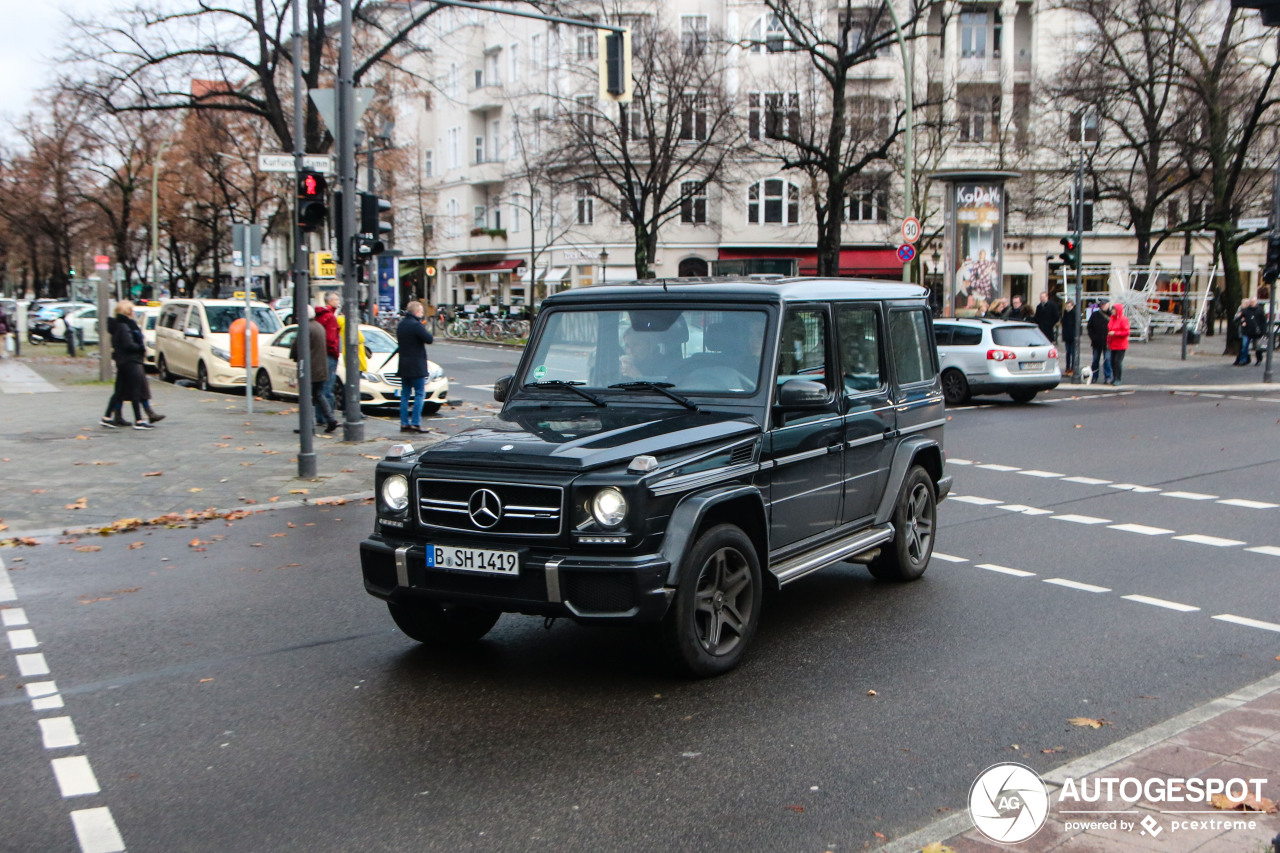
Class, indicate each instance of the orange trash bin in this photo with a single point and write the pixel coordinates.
(238, 343)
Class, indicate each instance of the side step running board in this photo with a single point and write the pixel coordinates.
(799, 566)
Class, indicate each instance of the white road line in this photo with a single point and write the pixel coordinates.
(1048, 475)
(1247, 504)
(469, 358)
(13, 617)
(1190, 496)
(970, 499)
(1087, 481)
(1160, 602)
(1269, 550)
(947, 558)
(75, 776)
(1005, 570)
(23, 638)
(1081, 519)
(992, 467)
(40, 688)
(951, 461)
(96, 831)
(58, 732)
(1201, 539)
(33, 664)
(1025, 510)
(1248, 623)
(1132, 487)
(6, 585)
(1083, 587)
(1141, 528)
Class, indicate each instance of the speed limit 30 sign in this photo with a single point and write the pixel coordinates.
(911, 229)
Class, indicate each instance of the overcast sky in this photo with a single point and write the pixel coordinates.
(32, 34)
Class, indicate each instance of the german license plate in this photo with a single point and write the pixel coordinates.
(1031, 365)
(473, 560)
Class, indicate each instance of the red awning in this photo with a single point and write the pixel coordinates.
(486, 266)
(871, 261)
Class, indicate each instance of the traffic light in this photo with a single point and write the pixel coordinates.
(371, 225)
(1070, 253)
(614, 65)
(312, 206)
(1271, 271)
(1270, 10)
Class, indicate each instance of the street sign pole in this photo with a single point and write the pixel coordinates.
(246, 249)
(301, 300)
(353, 428)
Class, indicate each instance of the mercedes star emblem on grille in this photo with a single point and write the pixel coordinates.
(485, 508)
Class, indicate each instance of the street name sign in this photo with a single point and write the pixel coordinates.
(284, 163)
(1256, 223)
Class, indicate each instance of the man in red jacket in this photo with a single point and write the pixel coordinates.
(327, 316)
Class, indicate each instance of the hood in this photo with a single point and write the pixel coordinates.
(581, 439)
(1117, 310)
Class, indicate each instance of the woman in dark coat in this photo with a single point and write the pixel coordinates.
(129, 353)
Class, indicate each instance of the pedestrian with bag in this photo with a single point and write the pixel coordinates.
(319, 369)
(129, 353)
(412, 336)
(1118, 342)
(1070, 329)
(1251, 322)
(1097, 329)
(327, 317)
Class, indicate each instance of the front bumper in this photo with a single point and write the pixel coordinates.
(586, 588)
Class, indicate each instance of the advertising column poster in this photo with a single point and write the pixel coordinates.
(979, 236)
(388, 285)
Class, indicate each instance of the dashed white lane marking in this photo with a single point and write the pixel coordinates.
(1005, 570)
(75, 776)
(1160, 602)
(1141, 528)
(23, 638)
(43, 695)
(1086, 481)
(488, 388)
(1190, 496)
(13, 617)
(1025, 510)
(1247, 504)
(1083, 587)
(6, 586)
(1134, 487)
(1048, 475)
(1248, 623)
(947, 558)
(96, 831)
(1081, 519)
(951, 461)
(1215, 541)
(990, 466)
(970, 499)
(1269, 550)
(58, 732)
(33, 664)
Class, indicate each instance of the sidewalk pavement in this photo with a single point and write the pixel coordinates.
(1157, 365)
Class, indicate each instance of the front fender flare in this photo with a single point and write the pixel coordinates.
(689, 514)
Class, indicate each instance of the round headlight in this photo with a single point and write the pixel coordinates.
(609, 507)
(395, 492)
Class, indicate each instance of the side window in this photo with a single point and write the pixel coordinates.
(173, 317)
(803, 353)
(194, 320)
(858, 327)
(966, 336)
(942, 334)
(286, 338)
(911, 345)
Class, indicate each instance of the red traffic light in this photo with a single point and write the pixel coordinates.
(311, 185)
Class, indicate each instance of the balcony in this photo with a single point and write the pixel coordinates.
(978, 68)
(487, 240)
(486, 95)
(485, 172)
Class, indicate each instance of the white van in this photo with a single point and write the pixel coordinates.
(193, 339)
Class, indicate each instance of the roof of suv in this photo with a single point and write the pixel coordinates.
(752, 289)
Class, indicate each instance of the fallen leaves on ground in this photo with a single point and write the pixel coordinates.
(195, 489)
(133, 546)
(205, 680)
(1051, 750)
(82, 438)
(299, 491)
(278, 535)
(331, 502)
(290, 524)
(937, 847)
(348, 471)
(80, 503)
(872, 693)
(220, 444)
(19, 540)
(1250, 803)
(3, 526)
(85, 549)
(1088, 722)
(370, 456)
(796, 809)
(152, 473)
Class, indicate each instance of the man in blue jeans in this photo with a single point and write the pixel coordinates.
(1097, 328)
(413, 337)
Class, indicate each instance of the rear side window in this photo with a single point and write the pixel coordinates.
(912, 347)
(1019, 336)
(942, 334)
(173, 317)
(803, 354)
(859, 338)
(966, 336)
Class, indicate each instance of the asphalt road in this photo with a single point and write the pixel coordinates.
(251, 697)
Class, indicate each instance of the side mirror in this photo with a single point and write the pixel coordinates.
(192, 332)
(802, 394)
(501, 388)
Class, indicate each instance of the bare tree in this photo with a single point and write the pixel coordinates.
(534, 189)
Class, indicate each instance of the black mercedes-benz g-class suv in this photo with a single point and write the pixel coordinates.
(667, 448)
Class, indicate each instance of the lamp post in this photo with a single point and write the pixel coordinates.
(604, 265)
(908, 154)
(155, 211)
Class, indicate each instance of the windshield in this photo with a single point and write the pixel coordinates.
(696, 350)
(222, 316)
(377, 340)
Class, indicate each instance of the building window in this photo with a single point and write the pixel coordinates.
(454, 137)
(693, 117)
(535, 52)
(870, 118)
(693, 34)
(513, 63)
(867, 200)
(452, 80)
(624, 209)
(586, 43)
(1088, 212)
(773, 201)
(495, 141)
(1172, 215)
(979, 116)
(492, 64)
(452, 212)
(767, 34)
(773, 115)
(586, 204)
(973, 35)
(584, 118)
(479, 149)
(428, 163)
(1085, 120)
(693, 202)
(631, 120)
(861, 25)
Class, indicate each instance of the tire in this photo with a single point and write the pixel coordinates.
(162, 368)
(443, 624)
(717, 604)
(262, 385)
(1022, 396)
(955, 387)
(202, 377)
(915, 519)
(34, 339)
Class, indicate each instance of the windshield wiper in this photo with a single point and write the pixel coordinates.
(661, 388)
(571, 385)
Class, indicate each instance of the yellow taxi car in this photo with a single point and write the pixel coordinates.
(277, 374)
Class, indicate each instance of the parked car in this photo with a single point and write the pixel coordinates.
(277, 375)
(146, 317)
(666, 449)
(193, 339)
(980, 356)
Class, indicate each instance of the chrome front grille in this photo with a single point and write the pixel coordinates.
(499, 509)
(391, 379)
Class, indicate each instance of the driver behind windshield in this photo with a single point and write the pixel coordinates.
(642, 358)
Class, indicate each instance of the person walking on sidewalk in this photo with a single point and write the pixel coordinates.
(1047, 315)
(412, 336)
(327, 316)
(4, 334)
(1070, 326)
(129, 353)
(1251, 321)
(319, 369)
(1097, 328)
(1117, 342)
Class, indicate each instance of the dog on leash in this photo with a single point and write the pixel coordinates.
(1087, 374)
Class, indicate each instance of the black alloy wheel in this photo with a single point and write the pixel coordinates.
(955, 388)
(162, 368)
(915, 519)
(202, 377)
(262, 385)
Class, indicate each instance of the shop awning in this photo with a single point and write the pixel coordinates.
(553, 274)
(871, 261)
(486, 266)
(1017, 268)
(619, 274)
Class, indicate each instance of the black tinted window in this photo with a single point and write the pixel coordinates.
(942, 334)
(911, 345)
(966, 336)
(858, 329)
(1019, 336)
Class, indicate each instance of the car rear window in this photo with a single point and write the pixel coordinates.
(1019, 336)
